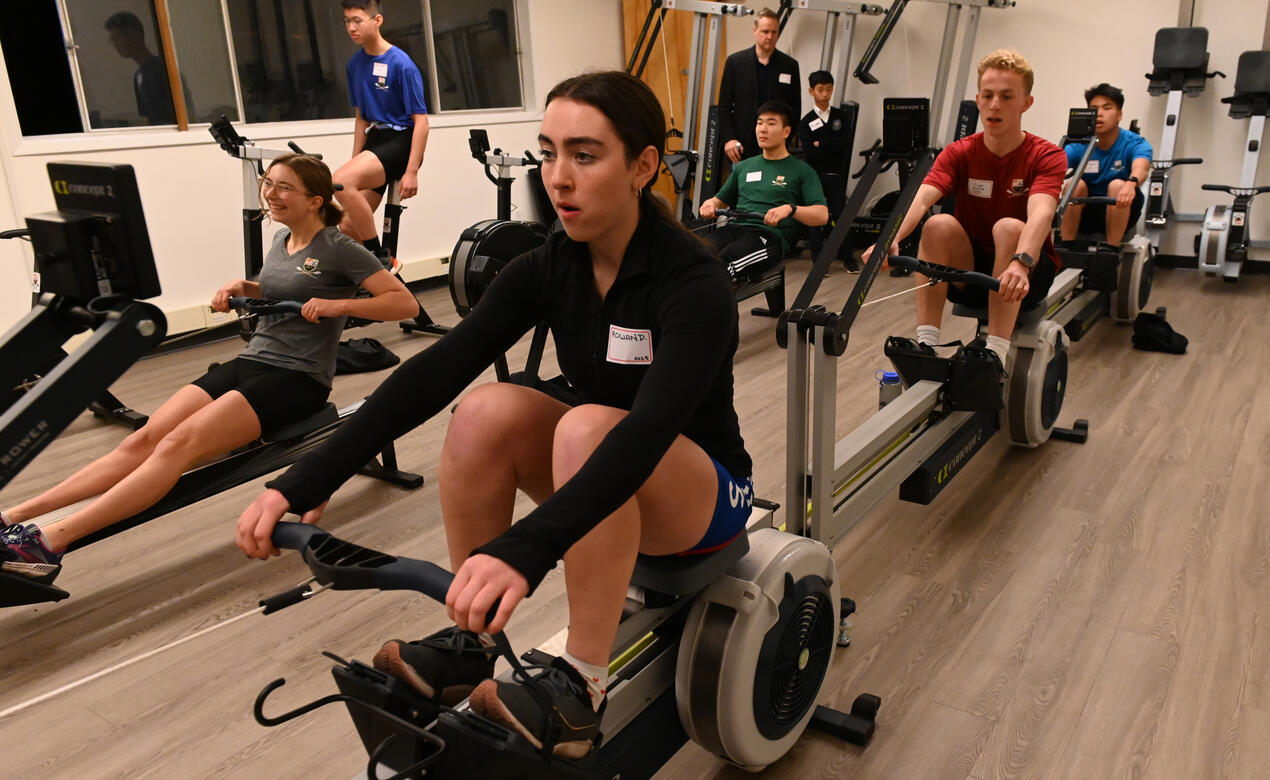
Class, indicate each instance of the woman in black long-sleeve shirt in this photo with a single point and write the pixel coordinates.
(651, 461)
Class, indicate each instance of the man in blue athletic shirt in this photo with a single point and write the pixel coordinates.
(1120, 162)
(391, 125)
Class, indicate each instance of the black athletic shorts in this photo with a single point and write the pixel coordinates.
(278, 396)
(1039, 282)
(392, 147)
(1093, 220)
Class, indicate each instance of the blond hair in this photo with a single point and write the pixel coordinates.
(766, 13)
(1009, 60)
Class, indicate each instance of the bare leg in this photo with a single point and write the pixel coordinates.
(1071, 217)
(1002, 314)
(218, 427)
(102, 474)
(358, 175)
(670, 513)
(498, 440)
(944, 241)
(1117, 216)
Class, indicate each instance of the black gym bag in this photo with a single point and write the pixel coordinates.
(357, 356)
(1153, 332)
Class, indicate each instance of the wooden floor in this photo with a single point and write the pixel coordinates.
(1073, 611)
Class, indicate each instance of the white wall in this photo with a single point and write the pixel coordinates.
(192, 191)
(1071, 45)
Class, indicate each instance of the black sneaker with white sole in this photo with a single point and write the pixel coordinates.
(445, 667)
(551, 709)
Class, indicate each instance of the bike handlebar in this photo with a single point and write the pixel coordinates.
(1233, 190)
(943, 273)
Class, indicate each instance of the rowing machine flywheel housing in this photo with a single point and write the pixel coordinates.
(755, 650)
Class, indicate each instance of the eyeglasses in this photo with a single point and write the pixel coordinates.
(355, 21)
(282, 188)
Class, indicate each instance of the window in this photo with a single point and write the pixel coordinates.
(477, 54)
(102, 66)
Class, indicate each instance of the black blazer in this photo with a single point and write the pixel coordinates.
(830, 155)
(738, 95)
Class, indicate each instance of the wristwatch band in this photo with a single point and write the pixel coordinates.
(1027, 260)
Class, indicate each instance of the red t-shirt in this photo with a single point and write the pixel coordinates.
(989, 188)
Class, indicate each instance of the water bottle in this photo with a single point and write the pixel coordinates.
(889, 387)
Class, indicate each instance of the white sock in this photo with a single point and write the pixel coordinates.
(1000, 346)
(928, 334)
(597, 678)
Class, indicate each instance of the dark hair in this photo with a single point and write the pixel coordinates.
(818, 77)
(126, 22)
(778, 107)
(316, 178)
(371, 7)
(1114, 94)
(636, 115)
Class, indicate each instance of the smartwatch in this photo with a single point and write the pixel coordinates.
(1134, 179)
(1027, 260)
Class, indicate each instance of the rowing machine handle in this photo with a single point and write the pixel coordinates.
(1179, 161)
(738, 215)
(943, 273)
(263, 306)
(295, 536)
(1094, 200)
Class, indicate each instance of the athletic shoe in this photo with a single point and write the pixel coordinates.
(444, 667)
(551, 706)
(25, 544)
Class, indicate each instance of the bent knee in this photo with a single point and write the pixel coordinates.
(941, 227)
(1007, 229)
(582, 428)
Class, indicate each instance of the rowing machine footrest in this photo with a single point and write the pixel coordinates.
(380, 692)
(684, 575)
(1102, 271)
(772, 285)
(974, 381)
(17, 590)
(915, 363)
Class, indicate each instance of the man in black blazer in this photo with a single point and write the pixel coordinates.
(752, 77)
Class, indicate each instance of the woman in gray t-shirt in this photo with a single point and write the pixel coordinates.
(283, 375)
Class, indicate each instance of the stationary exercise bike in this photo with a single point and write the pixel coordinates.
(1225, 240)
(1179, 67)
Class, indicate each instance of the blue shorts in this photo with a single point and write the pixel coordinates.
(731, 511)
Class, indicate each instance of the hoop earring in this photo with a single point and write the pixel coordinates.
(639, 191)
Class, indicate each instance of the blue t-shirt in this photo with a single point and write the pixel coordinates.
(1106, 165)
(386, 89)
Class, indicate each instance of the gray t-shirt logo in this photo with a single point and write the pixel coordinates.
(310, 267)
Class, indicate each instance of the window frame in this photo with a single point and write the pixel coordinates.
(120, 137)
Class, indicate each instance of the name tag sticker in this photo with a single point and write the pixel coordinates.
(1093, 166)
(630, 345)
(816, 124)
(980, 188)
(754, 176)
(379, 69)
(785, 78)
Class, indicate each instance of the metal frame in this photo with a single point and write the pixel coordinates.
(840, 18)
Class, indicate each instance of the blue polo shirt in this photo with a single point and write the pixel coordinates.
(386, 89)
(1106, 165)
